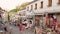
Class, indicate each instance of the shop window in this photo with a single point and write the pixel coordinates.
(31, 7)
(27, 8)
(36, 6)
(58, 2)
(41, 4)
(49, 3)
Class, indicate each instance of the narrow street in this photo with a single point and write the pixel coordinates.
(29, 16)
(15, 30)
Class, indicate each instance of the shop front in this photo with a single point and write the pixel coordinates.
(30, 18)
(52, 19)
(38, 21)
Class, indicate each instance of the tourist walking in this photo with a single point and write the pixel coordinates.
(10, 28)
(20, 27)
(5, 28)
(1, 28)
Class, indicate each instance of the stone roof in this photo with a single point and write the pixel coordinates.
(22, 9)
(32, 2)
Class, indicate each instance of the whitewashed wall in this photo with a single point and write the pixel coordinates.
(55, 7)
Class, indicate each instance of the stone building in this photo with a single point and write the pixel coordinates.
(3, 15)
(46, 12)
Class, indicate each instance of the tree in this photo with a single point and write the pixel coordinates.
(13, 11)
(23, 5)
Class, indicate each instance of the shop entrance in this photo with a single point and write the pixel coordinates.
(38, 20)
(38, 24)
(52, 19)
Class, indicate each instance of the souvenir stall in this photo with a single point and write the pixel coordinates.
(30, 18)
(51, 20)
(38, 18)
(38, 21)
(21, 13)
(23, 19)
(17, 19)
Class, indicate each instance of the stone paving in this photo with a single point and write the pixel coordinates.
(15, 30)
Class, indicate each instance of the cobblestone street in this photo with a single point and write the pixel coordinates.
(15, 30)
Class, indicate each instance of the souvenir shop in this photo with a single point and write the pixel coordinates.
(38, 20)
(52, 20)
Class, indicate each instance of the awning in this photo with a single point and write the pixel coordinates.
(53, 11)
(29, 13)
(38, 12)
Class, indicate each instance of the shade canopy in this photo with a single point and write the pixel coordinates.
(29, 13)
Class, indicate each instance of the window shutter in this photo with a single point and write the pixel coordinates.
(42, 4)
(49, 3)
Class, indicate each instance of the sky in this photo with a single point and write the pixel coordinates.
(11, 4)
